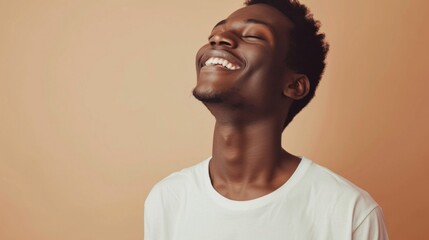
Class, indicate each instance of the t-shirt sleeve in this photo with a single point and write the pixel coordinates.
(154, 216)
(160, 212)
(372, 227)
(149, 220)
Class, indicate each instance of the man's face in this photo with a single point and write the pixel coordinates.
(244, 63)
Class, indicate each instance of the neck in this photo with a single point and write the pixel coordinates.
(248, 160)
(247, 153)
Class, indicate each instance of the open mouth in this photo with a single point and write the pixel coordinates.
(221, 62)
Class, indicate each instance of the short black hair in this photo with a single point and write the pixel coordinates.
(307, 50)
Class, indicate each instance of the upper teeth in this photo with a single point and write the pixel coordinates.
(221, 61)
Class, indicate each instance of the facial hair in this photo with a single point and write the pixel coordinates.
(214, 97)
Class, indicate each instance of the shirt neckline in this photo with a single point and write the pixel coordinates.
(257, 202)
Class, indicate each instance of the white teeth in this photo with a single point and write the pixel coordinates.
(207, 62)
(221, 61)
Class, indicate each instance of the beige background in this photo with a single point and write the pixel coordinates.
(96, 106)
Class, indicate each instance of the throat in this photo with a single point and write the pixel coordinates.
(248, 160)
(243, 192)
(246, 180)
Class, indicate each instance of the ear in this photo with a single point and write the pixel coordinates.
(297, 86)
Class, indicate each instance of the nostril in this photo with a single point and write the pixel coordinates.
(222, 40)
(225, 43)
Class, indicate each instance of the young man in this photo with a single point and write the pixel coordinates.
(260, 67)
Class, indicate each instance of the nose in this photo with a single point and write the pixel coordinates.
(224, 39)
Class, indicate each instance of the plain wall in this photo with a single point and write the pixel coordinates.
(96, 107)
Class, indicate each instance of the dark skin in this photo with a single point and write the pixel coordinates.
(249, 90)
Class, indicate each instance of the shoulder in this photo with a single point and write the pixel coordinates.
(328, 181)
(175, 186)
(337, 194)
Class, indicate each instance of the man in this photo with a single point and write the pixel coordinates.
(260, 67)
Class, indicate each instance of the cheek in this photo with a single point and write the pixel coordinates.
(258, 55)
(265, 73)
(261, 57)
(200, 54)
(263, 64)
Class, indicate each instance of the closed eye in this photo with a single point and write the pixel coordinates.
(253, 37)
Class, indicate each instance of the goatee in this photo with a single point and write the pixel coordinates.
(213, 97)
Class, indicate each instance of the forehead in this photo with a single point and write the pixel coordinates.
(261, 13)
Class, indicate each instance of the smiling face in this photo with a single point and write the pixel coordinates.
(244, 63)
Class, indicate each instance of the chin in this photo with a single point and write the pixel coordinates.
(208, 97)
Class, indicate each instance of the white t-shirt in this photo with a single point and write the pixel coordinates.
(314, 203)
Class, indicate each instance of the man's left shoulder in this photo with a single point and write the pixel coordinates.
(331, 196)
(329, 187)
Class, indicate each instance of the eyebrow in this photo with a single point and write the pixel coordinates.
(250, 20)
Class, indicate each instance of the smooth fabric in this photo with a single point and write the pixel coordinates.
(314, 203)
